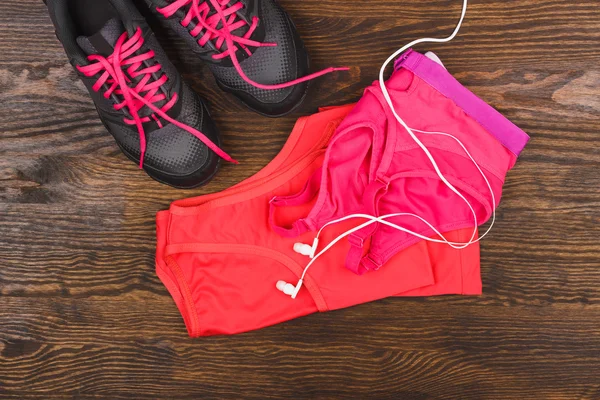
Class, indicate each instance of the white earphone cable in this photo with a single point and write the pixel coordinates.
(383, 219)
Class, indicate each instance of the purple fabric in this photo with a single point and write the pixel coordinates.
(507, 133)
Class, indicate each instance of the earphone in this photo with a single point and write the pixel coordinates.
(310, 251)
(307, 250)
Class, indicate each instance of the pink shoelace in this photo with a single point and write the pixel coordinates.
(226, 15)
(113, 75)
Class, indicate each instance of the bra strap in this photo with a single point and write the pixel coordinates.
(310, 190)
(355, 261)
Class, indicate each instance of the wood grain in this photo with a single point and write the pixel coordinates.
(83, 315)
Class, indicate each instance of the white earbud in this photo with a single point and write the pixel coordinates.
(302, 248)
(285, 287)
(433, 57)
(305, 249)
(288, 288)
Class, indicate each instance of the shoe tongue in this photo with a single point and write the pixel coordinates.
(102, 42)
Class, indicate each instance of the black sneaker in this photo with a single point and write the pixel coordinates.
(155, 118)
(267, 66)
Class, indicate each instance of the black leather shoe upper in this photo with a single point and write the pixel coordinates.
(173, 155)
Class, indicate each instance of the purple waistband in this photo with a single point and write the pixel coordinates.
(507, 133)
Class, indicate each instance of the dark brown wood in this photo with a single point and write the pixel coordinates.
(83, 315)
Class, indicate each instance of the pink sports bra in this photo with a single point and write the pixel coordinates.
(373, 166)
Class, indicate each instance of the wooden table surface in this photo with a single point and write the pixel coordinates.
(83, 315)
